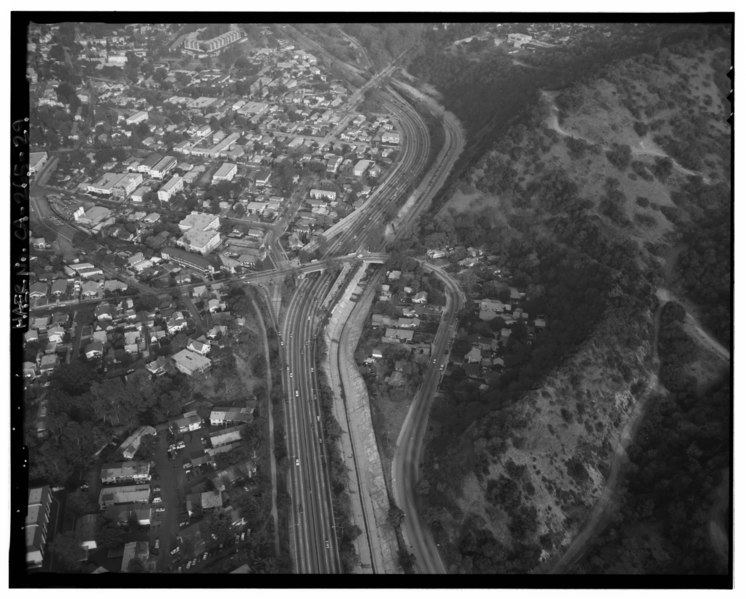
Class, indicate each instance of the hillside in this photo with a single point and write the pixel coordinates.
(606, 193)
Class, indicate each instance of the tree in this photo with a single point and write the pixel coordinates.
(57, 53)
(67, 552)
(160, 75)
(67, 95)
(396, 515)
(109, 534)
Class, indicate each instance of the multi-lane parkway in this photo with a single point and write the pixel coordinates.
(313, 535)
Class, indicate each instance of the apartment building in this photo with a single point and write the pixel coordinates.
(174, 185)
(37, 523)
(226, 172)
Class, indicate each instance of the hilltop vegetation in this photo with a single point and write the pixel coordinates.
(584, 199)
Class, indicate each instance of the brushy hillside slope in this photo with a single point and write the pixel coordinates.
(622, 174)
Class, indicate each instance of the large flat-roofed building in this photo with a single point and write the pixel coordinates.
(190, 363)
(200, 221)
(360, 168)
(147, 164)
(139, 194)
(94, 216)
(166, 164)
(188, 259)
(226, 172)
(123, 494)
(172, 186)
(200, 232)
(113, 473)
(200, 241)
(215, 44)
(126, 185)
(37, 521)
(105, 185)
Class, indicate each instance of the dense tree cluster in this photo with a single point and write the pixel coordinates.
(662, 525)
(85, 409)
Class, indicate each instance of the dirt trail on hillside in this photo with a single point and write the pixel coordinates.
(603, 509)
(646, 146)
(693, 327)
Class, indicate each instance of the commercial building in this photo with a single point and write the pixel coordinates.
(37, 522)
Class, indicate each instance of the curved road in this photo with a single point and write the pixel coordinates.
(405, 467)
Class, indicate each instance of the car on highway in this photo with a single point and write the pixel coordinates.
(297, 393)
(297, 461)
(326, 543)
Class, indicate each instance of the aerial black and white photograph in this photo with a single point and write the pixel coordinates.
(439, 295)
